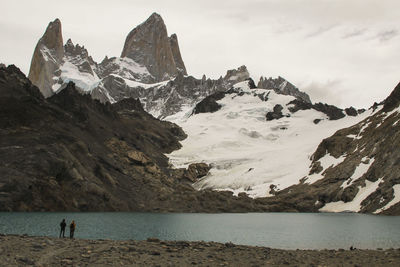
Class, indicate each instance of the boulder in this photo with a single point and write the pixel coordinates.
(275, 114)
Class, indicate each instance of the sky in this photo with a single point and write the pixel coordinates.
(342, 52)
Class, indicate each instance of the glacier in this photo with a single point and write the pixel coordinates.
(246, 152)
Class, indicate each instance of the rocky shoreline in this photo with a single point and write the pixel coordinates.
(25, 250)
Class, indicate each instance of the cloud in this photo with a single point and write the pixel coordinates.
(385, 36)
(326, 91)
(320, 30)
(354, 33)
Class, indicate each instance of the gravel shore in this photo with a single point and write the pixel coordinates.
(48, 251)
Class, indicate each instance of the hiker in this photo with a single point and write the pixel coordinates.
(63, 224)
(72, 229)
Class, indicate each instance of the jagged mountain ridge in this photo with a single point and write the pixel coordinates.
(150, 68)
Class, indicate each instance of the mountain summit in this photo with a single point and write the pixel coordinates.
(149, 45)
(47, 57)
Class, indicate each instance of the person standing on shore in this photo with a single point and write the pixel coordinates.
(63, 224)
(72, 229)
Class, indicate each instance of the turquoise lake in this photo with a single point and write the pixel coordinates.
(275, 230)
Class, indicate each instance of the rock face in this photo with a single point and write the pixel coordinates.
(47, 57)
(209, 104)
(333, 112)
(149, 45)
(173, 40)
(282, 86)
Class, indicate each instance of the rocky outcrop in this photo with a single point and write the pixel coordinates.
(393, 100)
(237, 75)
(282, 86)
(47, 58)
(79, 57)
(333, 112)
(275, 114)
(351, 111)
(173, 39)
(149, 45)
(209, 104)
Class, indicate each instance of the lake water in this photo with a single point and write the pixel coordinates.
(276, 230)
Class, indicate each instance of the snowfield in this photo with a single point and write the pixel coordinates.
(246, 152)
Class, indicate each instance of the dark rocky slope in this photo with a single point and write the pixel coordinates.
(372, 145)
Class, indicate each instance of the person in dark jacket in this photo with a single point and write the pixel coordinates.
(63, 224)
(72, 229)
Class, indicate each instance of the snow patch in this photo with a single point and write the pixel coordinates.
(83, 80)
(355, 204)
(127, 65)
(360, 170)
(47, 54)
(365, 126)
(394, 201)
(330, 161)
(326, 161)
(135, 84)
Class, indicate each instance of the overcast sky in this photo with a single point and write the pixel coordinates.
(344, 52)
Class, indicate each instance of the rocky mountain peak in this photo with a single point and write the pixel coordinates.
(393, 100)
(237, 75)
(53, 39)
(155, 17)
(149, 45)
(283, 87)
(173, 39)
(47, 57)
(79, 56)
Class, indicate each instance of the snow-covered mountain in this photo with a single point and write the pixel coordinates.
(256, 141)
(269, 145)
(263, 141)
(150, 68)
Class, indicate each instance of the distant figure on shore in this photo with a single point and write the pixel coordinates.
(72, 229)
(63, 224)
